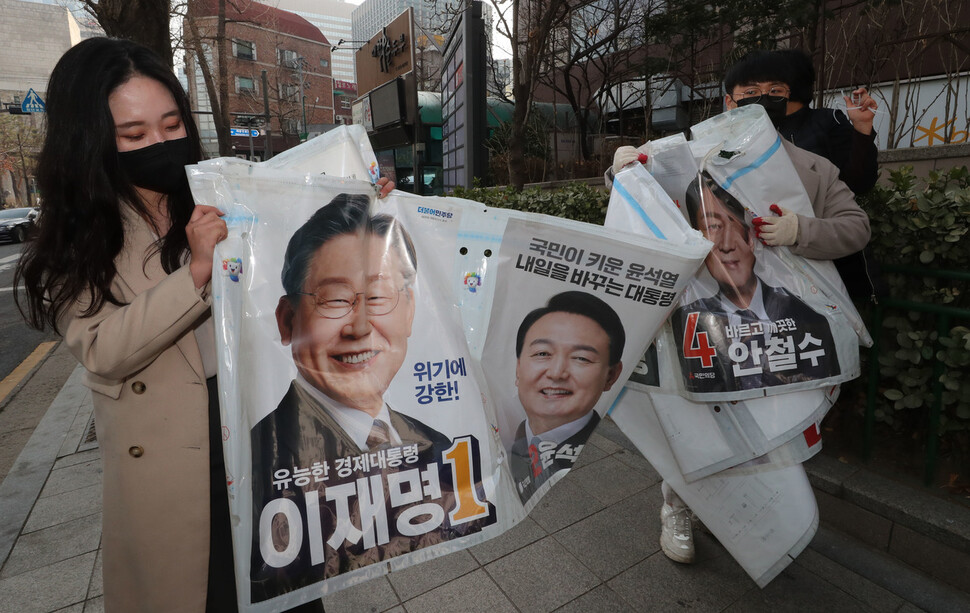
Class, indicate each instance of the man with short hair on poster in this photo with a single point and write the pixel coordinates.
(749, 335)
(346, 315)
(568, 354)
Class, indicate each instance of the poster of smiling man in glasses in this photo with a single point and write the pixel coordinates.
(336, 453)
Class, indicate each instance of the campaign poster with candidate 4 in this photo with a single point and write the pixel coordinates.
(749, 324)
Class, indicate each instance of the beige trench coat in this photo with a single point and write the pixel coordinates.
(150, 404)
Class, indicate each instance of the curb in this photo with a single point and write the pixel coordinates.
(926, 532)
(27, 377)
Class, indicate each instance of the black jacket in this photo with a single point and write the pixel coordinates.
(829, 133)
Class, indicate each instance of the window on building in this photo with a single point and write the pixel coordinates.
(287, 58)
(244, 49)
(289, 91)
(324, 63)
(291, 126)
(246, 85)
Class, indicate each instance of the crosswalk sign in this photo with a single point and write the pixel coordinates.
(32, 103)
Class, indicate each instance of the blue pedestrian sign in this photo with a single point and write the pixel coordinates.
(32, 103)
(243, 132)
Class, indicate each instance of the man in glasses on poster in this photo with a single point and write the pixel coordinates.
(340, 479)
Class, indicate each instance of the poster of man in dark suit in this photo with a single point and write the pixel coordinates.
(749, 335)
(342, 480)
(567, 354)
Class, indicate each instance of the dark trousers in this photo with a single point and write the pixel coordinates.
(221, 593)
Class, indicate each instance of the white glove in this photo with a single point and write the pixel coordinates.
(625, 155)
(777, 231)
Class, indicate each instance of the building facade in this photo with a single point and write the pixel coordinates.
(333, 18)
(34, 37)
(372, 15)
(278, 64)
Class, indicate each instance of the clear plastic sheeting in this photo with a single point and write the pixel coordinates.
(726, 403)
(662, 219)
(406, 377)
(743, 149)
(343, 152)
(764, 520)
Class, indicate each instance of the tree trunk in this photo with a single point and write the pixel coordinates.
(520, 114)
(520, 95)
(143, 21)
(216, 86)
(23, 173)
(15, 185)
(222, 122)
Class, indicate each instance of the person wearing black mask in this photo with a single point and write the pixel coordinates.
(837, 229)
(783, 82)
(121, 266)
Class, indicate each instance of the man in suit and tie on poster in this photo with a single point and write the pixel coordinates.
(749, 335)
(346, 315)
(568, 353)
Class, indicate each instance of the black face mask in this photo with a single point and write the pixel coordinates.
(776, 106)
(159, 167)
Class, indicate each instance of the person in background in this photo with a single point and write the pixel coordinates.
(783, 82)
(839, 228)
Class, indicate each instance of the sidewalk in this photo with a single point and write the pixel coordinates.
(592, 545)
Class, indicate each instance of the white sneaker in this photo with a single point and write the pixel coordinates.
(676, 538)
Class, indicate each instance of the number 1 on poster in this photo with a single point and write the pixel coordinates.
(468, 506)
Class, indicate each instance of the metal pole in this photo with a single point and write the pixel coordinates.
(252, 154)
(268, 152)
(417, 148)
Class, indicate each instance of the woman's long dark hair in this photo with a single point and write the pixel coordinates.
(83, 187)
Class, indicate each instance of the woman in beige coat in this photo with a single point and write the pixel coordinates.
(121, 267)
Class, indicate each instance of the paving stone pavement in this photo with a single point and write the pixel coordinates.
(590, 545)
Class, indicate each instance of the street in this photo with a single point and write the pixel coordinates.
(17, 341)
(23, 399)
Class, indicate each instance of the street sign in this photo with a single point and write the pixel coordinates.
(243, 132)
(32, 103)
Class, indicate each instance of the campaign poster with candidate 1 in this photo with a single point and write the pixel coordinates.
(355, 432)
(362, 430)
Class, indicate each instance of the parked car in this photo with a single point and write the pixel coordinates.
(17, 224)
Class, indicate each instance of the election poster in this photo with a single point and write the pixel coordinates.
(575, 315)
(401, 378)
(726, 403)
